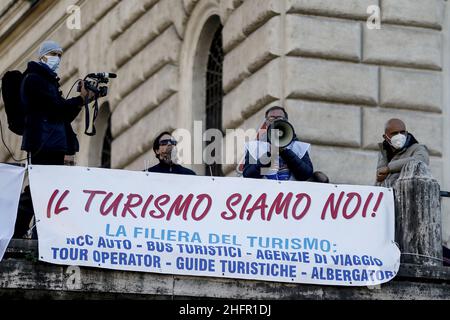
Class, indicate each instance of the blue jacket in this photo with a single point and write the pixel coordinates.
(48, 114)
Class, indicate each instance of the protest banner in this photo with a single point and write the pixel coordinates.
(282, 231)
(11, 180)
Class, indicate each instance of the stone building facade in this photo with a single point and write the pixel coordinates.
(339, 79)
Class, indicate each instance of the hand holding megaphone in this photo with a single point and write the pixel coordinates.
(280, 133)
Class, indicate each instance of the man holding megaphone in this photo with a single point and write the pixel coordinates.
(277, 154)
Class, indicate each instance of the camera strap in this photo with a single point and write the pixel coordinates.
(90, 117)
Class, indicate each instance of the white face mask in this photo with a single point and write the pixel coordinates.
(398, 141)
(53, 62)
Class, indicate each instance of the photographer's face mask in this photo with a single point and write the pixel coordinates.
(53, 62)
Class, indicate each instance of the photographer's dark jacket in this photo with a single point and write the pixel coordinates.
(48, 114)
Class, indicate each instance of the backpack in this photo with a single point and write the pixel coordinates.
(12, 98)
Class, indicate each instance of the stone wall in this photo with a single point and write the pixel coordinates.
(22, 276)
(339, 80)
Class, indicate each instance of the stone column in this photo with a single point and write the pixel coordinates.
(418, 215)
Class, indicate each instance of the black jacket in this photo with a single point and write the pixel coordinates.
(163, 167)
(48, 114)
(301, 168)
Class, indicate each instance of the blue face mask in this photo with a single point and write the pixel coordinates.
(53, 62)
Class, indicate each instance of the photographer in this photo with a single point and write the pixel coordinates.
(48, 134)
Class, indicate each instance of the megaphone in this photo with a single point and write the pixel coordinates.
(280, 133)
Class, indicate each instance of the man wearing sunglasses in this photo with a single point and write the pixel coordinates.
(164, 148)
(398, 148)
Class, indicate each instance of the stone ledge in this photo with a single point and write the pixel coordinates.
(252, 54)
(323, 37)
(412, 282)
(411, 89)
(411, 271)
(350, 9)
(403, 47)
(333, 81)
(130, 11)
(93, 14)
(342, 169)
(142, 133)
(163, 50)
(258, 90)
(306, 115)
(127, 45)
(419, 13)
(189, 5)
(246, 19)
(144, 99)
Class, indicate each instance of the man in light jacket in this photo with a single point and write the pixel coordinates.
(398, 148)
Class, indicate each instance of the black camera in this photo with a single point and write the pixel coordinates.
(93, 81)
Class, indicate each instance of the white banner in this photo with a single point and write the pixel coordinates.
(11, 181)
(283, 231)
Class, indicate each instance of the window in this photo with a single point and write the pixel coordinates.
(214, 94)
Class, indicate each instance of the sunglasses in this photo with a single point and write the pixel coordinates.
(276, 118)
(166, 142)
